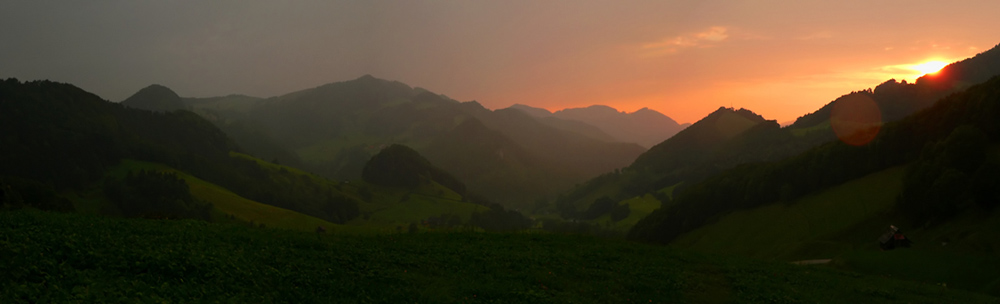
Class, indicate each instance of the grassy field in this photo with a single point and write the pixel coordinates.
(226, 202)
(843, 223)
(51, 257)
(412, 208)
(802, 229)
(388, 209)
(639, 207)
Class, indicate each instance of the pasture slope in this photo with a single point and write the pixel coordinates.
(227, 203)
(843, 222)
(53, 257)
(387, 209)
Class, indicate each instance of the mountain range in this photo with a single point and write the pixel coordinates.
(505, 155)
(645, 127)
(575, 164)
(728, 138)
(372, 155)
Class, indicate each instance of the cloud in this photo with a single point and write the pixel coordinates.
(706, 38)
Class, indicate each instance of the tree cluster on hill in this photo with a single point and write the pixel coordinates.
(154, 195)
(445, 220)
(499, 219)
(911, 139)
(950, 176)
(17, 193)
(600, 207)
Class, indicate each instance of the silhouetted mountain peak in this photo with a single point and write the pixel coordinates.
(897, 99)
(155, 98)
(967, 72)
(604, 109)
(698, 142)
(742, 112)
(645, 127)
(533, 111)
(428, 97)
(647, 113)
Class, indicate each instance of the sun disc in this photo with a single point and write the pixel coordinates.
(929, 67)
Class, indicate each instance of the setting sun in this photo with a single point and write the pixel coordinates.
(929, 67)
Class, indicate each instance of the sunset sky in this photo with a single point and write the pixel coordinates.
(781, 59)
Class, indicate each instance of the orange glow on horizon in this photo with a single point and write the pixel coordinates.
(929, 67)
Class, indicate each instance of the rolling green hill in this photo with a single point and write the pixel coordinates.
(228, 204)
(386, 209)
(79, 258)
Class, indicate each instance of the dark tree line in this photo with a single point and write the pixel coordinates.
(19, 193)
(154, 195)
(499, 219)
(950, 176)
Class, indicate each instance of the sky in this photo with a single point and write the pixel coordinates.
(780, 59)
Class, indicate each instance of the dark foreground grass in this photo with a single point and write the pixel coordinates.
(48, 257)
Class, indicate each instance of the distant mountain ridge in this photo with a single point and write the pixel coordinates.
(946, 146)
(645, 127)
(702, 151)
(334, 129)
(898, 99)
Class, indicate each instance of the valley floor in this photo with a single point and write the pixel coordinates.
(51, 257)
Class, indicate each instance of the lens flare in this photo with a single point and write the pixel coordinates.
(856, 119)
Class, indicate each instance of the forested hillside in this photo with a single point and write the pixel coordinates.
(945, 146)
(65, 139)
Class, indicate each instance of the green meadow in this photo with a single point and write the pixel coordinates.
(70, 258)
(842, 223)
(388, 208)
(227, 203)
(794, 230)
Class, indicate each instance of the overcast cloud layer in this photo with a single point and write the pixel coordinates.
(781, 59)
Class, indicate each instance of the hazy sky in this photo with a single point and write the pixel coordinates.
(781, 59)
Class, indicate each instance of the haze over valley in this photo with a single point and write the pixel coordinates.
(444, 152)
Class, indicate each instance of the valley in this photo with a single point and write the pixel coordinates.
(372, 190)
